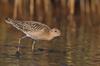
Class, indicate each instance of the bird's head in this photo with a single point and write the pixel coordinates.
(55, 32)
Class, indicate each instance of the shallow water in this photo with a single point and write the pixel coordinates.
(78, 45)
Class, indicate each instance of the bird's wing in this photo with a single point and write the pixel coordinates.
(20, 25)
(36, 26)
(26, 26)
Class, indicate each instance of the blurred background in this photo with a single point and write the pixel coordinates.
(78, 21)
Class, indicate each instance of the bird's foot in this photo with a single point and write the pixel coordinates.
(18, 54)
(44, 50)
(40, 49)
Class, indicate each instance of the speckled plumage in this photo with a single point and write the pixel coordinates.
(26, 26)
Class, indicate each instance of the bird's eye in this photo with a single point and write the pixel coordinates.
(55, 31)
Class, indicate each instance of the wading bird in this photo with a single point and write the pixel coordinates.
(34, 30)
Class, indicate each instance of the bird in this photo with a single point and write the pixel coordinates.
(35, 30)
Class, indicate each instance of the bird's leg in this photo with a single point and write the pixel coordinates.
(33, 45)
(18, 49)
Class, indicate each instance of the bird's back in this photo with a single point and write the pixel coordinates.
(28, 26)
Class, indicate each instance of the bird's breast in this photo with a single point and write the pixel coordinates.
(38, 35)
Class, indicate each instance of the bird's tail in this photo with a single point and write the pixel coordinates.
(8, 20)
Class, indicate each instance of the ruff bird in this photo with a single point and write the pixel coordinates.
(34, 30)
